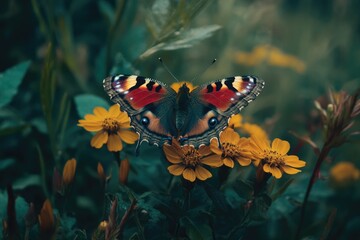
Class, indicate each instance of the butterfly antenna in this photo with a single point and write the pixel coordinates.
(167, 69)
(205, 69)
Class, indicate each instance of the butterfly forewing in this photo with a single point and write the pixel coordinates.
(218, 100)
(148, 102)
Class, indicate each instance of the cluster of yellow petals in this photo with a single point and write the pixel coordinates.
(111, 127)
(273, 157)
(189, 162)
(271, 55)
(236, 122)
(344, 174)
(232, 148)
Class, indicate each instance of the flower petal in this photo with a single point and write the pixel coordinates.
(260, 142)
(212, 160)
(91, 117)
(114, 111)
(114, 143)
(273, 170)
(202, 173)
(243, 161)
(123, 119)
(176, 169)
(189, 174)
(204, 150)
(95, 127)
(254, 130)
(290, 170)
(280, 146)
(214, 146)
(235, 121)
(128, 136)
(171, 155)
(99, 139)
(228, 162)
(293, 161)
(276, 172)
(229, 136)
(100, 112)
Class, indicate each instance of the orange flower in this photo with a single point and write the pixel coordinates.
(69, 171)
(101, 172)
(232, 148)
(176, 86)
(112, 127)
(124, 171)
(46, 219)
(274, 159)
(254, 130)
(189, 162)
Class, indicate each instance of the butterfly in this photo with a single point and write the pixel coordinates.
(158, 113)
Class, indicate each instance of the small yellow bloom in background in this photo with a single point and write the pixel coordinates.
(254, 130)
(69, 171)
(344, 174)
(46, 219)
(188, 161)
(176, 86)
(232, 148)
(112, 128)
(101, 172)
(103, 225)
(235, 121)
(124, 171)
(272, 55)
(273, 158)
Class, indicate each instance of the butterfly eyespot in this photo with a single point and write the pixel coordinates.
(213, 122)
(145, 121)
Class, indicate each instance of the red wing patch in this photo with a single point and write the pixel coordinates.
(224, 93)
(138, 91)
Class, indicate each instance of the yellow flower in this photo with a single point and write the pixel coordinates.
(274, 159)
(232, 148)
(188, 161)
(176, 86)
(103, 225)
(235, 121)
(344, 174)
(112, 128)
(272, 55)
(69, 171)
(254, 130)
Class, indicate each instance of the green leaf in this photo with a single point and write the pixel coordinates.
(197, 230)
(85, 103)
(5, 163)
(183, 39)
(27, 181)
(10, 81)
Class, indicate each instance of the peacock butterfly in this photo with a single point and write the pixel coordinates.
(158, 113)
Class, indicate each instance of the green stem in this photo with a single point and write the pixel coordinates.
(324, 152)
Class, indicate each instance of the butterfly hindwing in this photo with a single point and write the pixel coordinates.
(148, 103)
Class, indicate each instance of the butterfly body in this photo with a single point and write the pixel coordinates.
(158, 113)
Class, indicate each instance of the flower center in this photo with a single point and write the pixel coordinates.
(110, 125)
(273, 158)
(230, 150)
(192, 157)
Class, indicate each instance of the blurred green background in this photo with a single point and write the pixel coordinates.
(66, 48)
